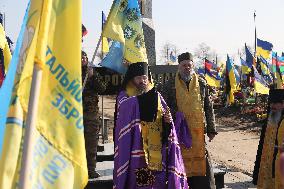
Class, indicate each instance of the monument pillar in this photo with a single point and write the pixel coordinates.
(148, 29)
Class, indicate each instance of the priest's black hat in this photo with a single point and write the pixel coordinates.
(135, 69)
(185, 56)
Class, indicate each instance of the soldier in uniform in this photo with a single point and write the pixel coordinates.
(91, 114)
(188, 95)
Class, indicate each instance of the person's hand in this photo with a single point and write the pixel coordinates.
(211, 136)
(167, 116)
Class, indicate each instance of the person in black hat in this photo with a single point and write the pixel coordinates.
(137, 79)
(267, 171)
(146, 152)
(189, 100)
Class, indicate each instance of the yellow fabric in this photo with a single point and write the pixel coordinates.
(118, 26)
(260, 88)
(279, 183)
(105, 46)
(189, 102)
(152, 145)
(279, 81)
(265, 180)
(61, 154)
(151, 133)
(212, 81)
(245, 70)
(262, 52)
(233, 84)
(5, 47)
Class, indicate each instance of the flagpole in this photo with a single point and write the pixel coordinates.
(30, 128)
(204, 67)
(255, 36)
(103, 123)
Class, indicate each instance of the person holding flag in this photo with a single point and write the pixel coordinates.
(188, 95)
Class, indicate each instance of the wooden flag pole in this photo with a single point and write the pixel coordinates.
(30, 128)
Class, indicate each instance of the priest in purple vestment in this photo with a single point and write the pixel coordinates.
(147, 152)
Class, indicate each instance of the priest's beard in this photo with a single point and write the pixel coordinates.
(141, 91)
(186, 77)
(275, 117)
(141, 88)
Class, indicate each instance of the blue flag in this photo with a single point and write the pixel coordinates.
(114, 59)
(249, 57)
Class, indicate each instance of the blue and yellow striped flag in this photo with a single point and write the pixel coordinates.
(263, 48)
(105, 45)
(59, 159)
(231, 83)
(260, 84)
(245, 67)
(124, 24)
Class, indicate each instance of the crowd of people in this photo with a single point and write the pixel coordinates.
(160, 136)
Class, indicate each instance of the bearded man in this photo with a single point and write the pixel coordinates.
(188, 95)
(147, 154)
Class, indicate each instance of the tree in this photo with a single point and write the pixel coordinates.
(204, 51)
(166, 51)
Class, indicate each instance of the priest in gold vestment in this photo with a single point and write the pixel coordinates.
(188, 95)
(268, 171)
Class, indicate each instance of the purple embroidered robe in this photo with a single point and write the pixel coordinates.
(129, 155)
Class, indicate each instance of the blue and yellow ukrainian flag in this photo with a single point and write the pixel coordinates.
(264, 65)
(124, 24)
(245, 67)
(105, 45)
(211, 75)
(260, 85)
(213, 80)
(58, 151)
(231, 84)
(263, 48)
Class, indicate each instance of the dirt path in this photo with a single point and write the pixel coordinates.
(234, 149)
